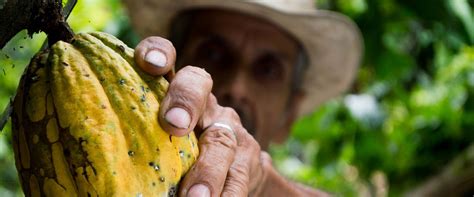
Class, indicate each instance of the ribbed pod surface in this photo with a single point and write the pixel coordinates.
(85, 123)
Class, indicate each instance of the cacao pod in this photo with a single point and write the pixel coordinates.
(85, 123)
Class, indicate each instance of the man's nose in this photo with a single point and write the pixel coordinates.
(234, 91)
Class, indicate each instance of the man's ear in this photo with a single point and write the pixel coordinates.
(291, 115)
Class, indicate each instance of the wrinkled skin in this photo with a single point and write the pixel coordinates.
(251, 69)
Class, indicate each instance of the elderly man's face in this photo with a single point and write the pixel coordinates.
(251, 62)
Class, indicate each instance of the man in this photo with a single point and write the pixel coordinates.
(270, 60)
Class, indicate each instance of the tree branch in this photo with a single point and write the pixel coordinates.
(35, 16)
(457, 178)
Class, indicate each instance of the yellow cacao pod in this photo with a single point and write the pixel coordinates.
(85, 123)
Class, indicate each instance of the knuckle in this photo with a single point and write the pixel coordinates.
(194, 78)
(238, 180)
(212, 103)
(166, 42)
(212, 100)
(197, 72)
(265, 158)
(188, 100)
(252, 141)
(183, 93)
(248, 141)
(230, 112)
(239, 170)
(157, 40)
(218, 137)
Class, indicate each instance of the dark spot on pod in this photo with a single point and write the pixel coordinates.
(4, 73)
(131, 153)
(24, 38)
(173, 191)
(14, 49)
(6, 56)
(103, 106)
(21, 47)
(154, 166)
(134, 108)
(143, 88)
(64, 64)
(66, 152)
(153, 183)
(122, 48)
(143, 98)
(122, 81)
(162, 179)
(114, 173)
(86, 75)
(181, 153)
(189, 156)
(157, 149)
(13, 65)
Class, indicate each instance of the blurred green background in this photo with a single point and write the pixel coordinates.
(409, 116)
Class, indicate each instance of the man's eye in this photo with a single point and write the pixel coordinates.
(268, 69)
(211, 54)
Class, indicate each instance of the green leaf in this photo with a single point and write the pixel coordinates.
(462, 10)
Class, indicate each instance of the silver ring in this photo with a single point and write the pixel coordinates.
(222, 125)
(225, 126)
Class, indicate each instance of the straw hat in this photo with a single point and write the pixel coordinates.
(332, 42)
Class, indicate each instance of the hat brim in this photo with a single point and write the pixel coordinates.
(332, 42)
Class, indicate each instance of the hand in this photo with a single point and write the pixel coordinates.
(230, 161)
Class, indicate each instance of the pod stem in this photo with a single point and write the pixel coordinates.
(35, 16)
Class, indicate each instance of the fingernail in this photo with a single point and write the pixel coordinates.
(199, 190)
(178, 117)
(156, 58)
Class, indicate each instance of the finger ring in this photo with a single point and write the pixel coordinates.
(225, 126)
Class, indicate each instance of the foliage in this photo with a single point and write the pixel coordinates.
(410, 111)
(408, 114)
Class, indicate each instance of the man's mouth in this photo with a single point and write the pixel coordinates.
(246, 119)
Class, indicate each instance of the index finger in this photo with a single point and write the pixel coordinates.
(185, 102)
(155, 55)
